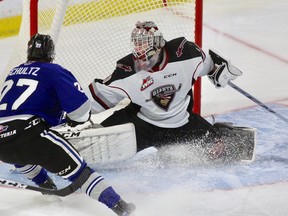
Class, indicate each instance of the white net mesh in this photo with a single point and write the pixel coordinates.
(95, 34)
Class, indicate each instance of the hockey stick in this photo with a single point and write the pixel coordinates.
(75, 185)
(97, 146)
(256, 101)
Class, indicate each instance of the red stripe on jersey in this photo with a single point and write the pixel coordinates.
(96, 98)
(121, 90)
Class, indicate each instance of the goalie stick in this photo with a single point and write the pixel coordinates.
(75, 185)
(219, 60)
(257, 101)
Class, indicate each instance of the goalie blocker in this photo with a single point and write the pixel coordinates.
(224, 70)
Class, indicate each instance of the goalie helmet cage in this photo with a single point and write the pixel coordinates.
(91, 35)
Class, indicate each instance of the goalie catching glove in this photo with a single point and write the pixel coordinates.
(224, 71)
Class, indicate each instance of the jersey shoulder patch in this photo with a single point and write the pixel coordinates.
(124, 68)
(180, 49)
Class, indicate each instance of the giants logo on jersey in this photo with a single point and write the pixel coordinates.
(163, 96)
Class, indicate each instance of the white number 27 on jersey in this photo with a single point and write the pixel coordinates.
(32, 85)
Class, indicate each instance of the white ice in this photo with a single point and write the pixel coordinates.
(253, 34)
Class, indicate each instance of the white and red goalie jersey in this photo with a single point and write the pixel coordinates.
(164, 93)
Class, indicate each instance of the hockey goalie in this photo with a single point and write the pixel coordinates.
(157, 77)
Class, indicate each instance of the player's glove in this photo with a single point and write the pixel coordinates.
(224, 71)
(73, 123)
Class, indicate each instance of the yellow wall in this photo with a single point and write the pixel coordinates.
(10, 26)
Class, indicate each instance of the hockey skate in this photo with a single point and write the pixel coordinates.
(123, 209)
(49, 184)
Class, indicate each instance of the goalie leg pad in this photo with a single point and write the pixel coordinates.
(249, 144)
(104, 145)
(240, 142)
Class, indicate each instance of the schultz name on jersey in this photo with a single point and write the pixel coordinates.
(41, 89)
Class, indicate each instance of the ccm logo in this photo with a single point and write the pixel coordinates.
(71, 134)
(170, 75)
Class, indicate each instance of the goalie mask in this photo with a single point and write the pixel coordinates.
(40, 48)
(147, 42)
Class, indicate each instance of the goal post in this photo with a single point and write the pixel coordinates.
(91, 35)
(198, 41)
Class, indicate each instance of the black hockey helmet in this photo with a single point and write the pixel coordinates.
(40, 48)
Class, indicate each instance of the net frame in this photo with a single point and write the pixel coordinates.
(31, 20)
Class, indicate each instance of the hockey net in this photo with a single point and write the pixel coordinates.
(91, 35)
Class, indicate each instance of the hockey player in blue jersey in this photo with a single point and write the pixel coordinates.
(35, 96)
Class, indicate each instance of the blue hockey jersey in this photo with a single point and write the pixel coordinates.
(43, 89)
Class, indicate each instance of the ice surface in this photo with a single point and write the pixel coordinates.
(254, 35)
